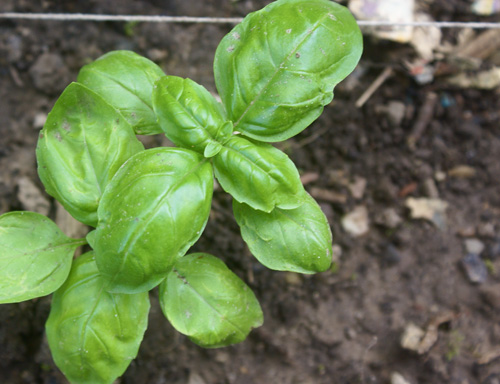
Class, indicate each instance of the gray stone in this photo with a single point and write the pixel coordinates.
(49, 73)
(475, 269)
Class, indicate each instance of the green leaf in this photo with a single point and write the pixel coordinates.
(153, 210)
(125, 80)
(258, 174)
(212, 149)
(188, 114)
(82, 145)
(35, 256)
(93, 334)
(207, 302)
(296, 240)
(277, 69)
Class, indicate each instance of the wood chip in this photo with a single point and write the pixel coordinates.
(327, 195)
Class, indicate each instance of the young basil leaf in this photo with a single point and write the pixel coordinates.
(153, 210)
(258, 174)
(126, 79)
(277, 69)
(35, 256)
(188, 114)
(93, 334)
(83, 143)
(207, 302)
(296, 240)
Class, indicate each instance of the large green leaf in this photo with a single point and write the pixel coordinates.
(93, 334)
(35, 256)
(277, 69)
(188, 114)
(297, 240)
(83, 143)
(153, 210)
(126, 79)
(258, 174)
(204, 300)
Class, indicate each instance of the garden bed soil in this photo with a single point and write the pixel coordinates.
(340, 326)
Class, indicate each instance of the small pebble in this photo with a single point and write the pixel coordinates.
(39, 120)
(412, 336)
(389, 218)
(474, 246)
(397, 378)
(356, 222)
(391, 255)
(475, 268)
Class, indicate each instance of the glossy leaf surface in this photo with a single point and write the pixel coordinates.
(188, 114)
(258, 174)
(296, 240)
(35, 256)
(125, 80)
(82, 144)
(93, 334)
(204, 300)
(153, 210)
(277, 69)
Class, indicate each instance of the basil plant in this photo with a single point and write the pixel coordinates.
(274, 72)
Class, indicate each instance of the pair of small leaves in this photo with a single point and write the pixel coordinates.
(35, 256)
(190, 116)
(204, 300)
(252, 172)
(94, 334)
(151, 212)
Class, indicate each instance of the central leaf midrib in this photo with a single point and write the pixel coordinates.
(150, 216)
(279, 69)
(208, 303)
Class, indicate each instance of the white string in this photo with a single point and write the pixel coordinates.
(226, 20)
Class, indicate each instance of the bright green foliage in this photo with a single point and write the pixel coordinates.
(82, 144)
(125, 80)
(93, 334)
(153, 210)
(258, 174)
(204, 300)
(275, 72)
(297, 240)
(35, 256)
(277, 69)
(189, 115)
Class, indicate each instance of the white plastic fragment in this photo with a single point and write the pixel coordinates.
(396, 11)
(433, 210)
(425, 40)
(486, 7)
(489, 79)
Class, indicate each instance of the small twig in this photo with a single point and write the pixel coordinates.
(424, 118)
(15, 76)
(375, 85)
(363, 360)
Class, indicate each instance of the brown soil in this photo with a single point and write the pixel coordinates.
(341, 326)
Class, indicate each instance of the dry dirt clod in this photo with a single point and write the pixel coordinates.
(356, 222)
(31, 197)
